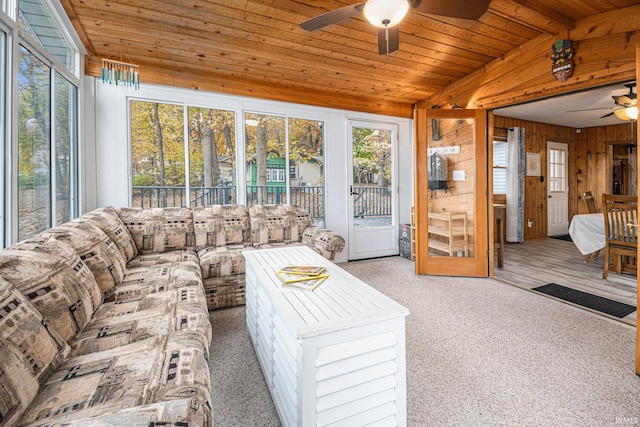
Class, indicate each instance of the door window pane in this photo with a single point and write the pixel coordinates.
(34, 145)
(451, 184)
(212, 156)
(557, 170)
(66, 149)
(371, 187)
(157, 154)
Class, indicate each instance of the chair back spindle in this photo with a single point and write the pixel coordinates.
(621, 229)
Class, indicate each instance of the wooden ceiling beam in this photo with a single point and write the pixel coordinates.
(535, 15)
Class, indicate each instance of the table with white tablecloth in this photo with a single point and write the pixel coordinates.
(587, 232)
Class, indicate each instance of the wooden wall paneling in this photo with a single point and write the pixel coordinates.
(536, 137)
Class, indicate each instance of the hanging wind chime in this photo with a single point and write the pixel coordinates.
(121, 73)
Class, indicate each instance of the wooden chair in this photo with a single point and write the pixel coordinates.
(621, 229)
(587, 196)
(589, 201)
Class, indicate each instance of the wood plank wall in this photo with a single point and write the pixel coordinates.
(589, 164)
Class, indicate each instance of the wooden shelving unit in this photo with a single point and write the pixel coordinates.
(448, 232)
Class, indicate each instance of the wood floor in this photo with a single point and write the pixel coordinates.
(538, 262)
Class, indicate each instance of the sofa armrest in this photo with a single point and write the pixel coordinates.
(326, 243)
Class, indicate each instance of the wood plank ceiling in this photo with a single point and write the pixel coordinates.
(256, 47)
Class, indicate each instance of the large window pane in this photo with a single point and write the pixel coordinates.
(157, 154)
(34, 145)
(265, 159)
(306, 166)
(212, 156)
(66, 149)
(37, 21)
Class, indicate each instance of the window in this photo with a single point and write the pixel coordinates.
(34, 145)
(157, 154)
(212, 156)
(274, 144)
(43, 188)
(35, 19)
(66, 149)
(499, 167)
(159, 174)
(275, 175)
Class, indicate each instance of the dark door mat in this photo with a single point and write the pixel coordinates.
(562, 237)
(595, 302)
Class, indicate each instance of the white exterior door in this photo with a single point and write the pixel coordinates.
(372, 195)
(557, 189)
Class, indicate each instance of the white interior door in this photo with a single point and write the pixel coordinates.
(372, 196)
(557, 189)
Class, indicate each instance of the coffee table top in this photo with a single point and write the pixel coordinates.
(341, 301)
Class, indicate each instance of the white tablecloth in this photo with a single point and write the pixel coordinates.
(587, 232)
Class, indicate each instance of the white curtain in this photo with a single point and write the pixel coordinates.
(515, 184)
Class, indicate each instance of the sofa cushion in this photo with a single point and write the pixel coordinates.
(55, 280)
(145, 260)
(220, 225)
(95, 248)
(108, 220)
(158, 371)
(29, 351)
(302, 220)
(222, 261)
(271, 224)
(159, 229)
(153, 315)
(141, 281)
(208, 225)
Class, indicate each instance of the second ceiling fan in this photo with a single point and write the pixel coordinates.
(386, 15)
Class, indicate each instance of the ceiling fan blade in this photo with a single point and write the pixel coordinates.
(608, 115)
(625, 100)
(388, 40)
(588, 109)
(332, 17)
(472, 9)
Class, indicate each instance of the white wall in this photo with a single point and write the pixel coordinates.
(109, 176)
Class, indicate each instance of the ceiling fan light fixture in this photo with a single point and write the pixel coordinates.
(629, 113)
(385, 13)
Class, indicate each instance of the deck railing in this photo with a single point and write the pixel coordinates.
(371, 202)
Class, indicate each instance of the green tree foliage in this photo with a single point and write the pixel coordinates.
(34, 120)
(157, 144)
(209, 128)
(371, 155)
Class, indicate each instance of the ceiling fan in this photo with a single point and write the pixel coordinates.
(628, 104)
(625, 108)
(387, 14)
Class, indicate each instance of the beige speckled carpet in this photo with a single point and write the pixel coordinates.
(479, 353)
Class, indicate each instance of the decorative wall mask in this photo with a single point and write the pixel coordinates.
(562, 59)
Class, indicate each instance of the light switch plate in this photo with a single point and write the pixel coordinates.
(458, 175)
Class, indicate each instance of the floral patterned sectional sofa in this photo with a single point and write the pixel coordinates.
(104, 320)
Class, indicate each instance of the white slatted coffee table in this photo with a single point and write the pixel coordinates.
(334, 356)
